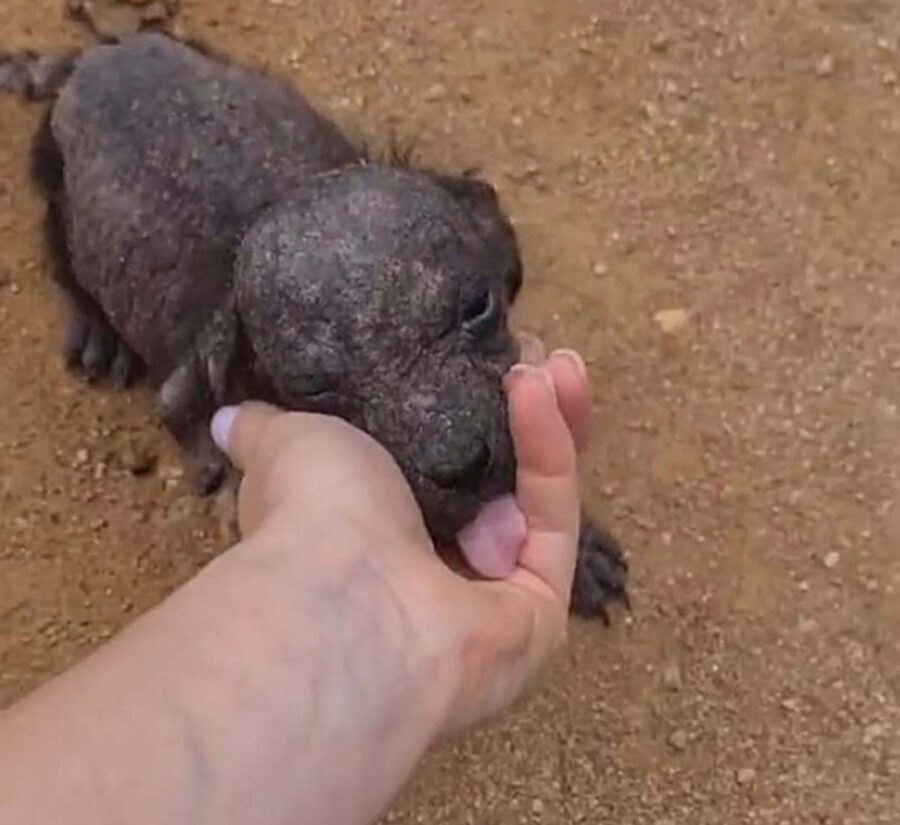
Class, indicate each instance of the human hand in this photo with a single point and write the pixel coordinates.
(302, 674)
(329, 496)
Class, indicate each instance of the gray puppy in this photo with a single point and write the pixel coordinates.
(218, 233)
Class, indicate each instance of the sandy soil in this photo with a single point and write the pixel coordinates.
(738, 163)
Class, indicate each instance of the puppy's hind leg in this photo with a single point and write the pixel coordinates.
(90, 344)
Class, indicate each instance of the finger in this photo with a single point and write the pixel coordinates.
(573, 394)
(547, 478)
(237, 430)
(531, 349)
(492, 543)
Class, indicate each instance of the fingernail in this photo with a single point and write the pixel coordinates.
(516, 373)
(220, 426)
(531, 348)
(522, 371)
(573, 358)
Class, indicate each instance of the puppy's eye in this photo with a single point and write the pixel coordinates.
(482, 313)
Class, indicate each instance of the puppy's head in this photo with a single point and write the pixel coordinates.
(381, 295)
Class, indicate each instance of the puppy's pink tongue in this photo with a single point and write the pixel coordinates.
(492, 543)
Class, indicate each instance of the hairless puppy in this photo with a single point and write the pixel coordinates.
(215, 232)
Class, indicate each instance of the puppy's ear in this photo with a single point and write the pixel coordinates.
(480, 200)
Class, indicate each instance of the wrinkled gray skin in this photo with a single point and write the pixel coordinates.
(220, 234)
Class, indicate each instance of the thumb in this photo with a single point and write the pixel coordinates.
(238, 430)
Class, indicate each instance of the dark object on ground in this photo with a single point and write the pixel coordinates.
(111, 20)
(216, 232)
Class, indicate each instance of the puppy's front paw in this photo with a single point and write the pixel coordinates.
(601, 574)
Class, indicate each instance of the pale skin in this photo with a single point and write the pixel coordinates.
(301, 676)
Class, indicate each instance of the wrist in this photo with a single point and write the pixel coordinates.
(375, 694)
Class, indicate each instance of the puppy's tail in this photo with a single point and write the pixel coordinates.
(35, 77)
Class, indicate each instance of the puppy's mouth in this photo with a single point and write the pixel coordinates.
(471, 513)
(486, 534)
(493, 542)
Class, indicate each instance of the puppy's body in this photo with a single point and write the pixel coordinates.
(168, 159)
(219, 232)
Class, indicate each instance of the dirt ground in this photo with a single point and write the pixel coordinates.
(733, 166)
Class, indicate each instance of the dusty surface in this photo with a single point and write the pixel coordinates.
(709, 198)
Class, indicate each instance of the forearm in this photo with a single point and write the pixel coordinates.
(246, 697)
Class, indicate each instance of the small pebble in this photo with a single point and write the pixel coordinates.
(672, 676)
(172, 473)
(872, 732)
(825, 66)
(109, 19)
(671, 320)
(181, 509)
(155, 12)
(832, 559)
(660, 42)
(137, 460)
(745, 776)
(678, 740)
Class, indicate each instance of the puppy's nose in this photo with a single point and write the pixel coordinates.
(470, 474)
